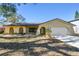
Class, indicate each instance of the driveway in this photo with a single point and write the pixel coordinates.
(70, 40)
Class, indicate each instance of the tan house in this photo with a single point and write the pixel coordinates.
(56, 26)
(20, 28)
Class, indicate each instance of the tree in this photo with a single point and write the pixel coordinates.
(15, 19)
(76, 15)
(9, 12)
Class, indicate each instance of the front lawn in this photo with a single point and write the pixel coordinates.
(19, 40)
(39, 46)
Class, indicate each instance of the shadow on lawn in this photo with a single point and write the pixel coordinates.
(29, 48)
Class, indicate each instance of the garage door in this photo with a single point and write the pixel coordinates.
(60, 31)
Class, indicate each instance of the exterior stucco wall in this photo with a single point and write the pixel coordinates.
(6, 30)
(56, 23)
(16, 29)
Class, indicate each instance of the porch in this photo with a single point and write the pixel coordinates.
(20, 30)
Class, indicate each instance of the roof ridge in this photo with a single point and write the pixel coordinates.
(57, 19)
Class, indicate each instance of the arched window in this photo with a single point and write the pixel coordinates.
(11, 31)
(21, 30)
(43, 31)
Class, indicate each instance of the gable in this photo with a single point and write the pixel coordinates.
(57, 22)
(63, 22)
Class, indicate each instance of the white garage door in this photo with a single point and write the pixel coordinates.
(60, 31)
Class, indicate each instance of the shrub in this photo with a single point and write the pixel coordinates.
(1, 32)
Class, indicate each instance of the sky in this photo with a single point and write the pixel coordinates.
(42, 12)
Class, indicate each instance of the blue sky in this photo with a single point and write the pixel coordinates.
(46, 11)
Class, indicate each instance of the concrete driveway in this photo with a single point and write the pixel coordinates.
(70, 40)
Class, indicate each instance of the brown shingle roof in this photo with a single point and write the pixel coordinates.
(22, 24)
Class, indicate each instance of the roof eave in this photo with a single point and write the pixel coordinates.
(58, 19)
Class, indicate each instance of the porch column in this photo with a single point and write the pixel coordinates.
(27, 30)
(16, 30)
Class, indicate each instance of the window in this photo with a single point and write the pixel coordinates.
(32, 30)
